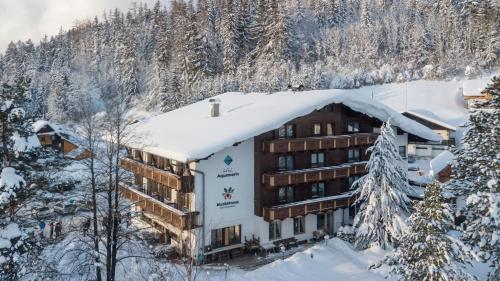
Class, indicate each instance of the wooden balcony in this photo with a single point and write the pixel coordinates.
(313, 174)
(180, 183)
(311, 206)
(161, 211)
(317, 143)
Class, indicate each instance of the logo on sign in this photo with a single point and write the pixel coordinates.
(228, 160)
(228, 193)
(228, 171)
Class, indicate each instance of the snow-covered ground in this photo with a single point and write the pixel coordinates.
(335, 261)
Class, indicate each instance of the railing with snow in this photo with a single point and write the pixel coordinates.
(315, 143)
(161, 211)
(302, 208)
(313, 174)
(179, 183)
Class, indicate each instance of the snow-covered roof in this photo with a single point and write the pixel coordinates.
(431, 120)
(473, 88)
(39, 124)
(60, 130)
(188, 133)
(440, 162)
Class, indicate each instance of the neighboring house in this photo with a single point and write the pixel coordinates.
(473, 92)
(59, 139)
(244, 170)
(440, 166)
(422, 148)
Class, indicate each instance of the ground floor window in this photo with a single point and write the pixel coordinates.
(299, 225)
(330, 221)
(275, 230)
(320, 223)
(227, 236)
(402, 151)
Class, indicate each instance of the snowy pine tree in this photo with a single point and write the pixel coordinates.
(475, 175)
(381, 195)
(426, 251)
(18, 147)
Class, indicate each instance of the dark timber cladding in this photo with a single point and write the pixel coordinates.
(331, 131)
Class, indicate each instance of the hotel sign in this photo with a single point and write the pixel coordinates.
(227, 195)
(228, 170)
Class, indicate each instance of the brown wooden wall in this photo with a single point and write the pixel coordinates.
(266, 162)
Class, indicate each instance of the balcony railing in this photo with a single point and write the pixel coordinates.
(313, 174)
(180, 183)
(316, 143)
(163, 212)
(311, 206)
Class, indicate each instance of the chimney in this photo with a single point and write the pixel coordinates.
(214, 107)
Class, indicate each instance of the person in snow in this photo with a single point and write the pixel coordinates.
(86, 226)
(41, 225)
(58, 228)
(51, 230)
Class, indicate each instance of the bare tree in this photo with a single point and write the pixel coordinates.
(91, 133)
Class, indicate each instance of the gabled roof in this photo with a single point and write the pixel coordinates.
(60, 130)
(440, 162)
(431, 120)
(188, 133)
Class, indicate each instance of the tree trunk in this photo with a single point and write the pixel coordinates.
(94, 213)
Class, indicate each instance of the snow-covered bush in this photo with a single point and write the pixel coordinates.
(346, 233)
(10, 184)
(13, 247)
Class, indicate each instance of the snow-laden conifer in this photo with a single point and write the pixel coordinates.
(426, 251)
(382, 195)
(475, 176)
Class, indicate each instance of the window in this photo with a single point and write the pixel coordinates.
(298, 225)
(317, 159)
(351, 180)
(402, 151)
(226, 236)
(320, 221)
(329, 129)
(285, 162)
(285, 194)
(353, 155)
(318, 189)
(275, 230)
(286, 131)
(352, 127)
(317, 129)
(289, 194)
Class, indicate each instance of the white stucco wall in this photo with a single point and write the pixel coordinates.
(236, 179)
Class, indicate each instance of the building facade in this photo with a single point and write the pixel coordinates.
(421, 148)
(228, 182)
